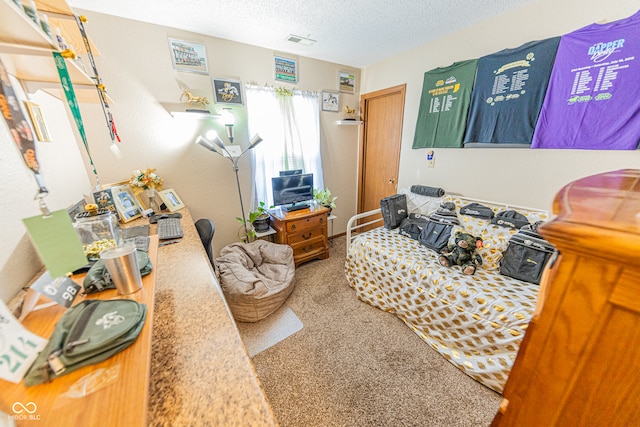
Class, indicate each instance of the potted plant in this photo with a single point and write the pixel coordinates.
(258, 221)
(324, 198)
(260, 218)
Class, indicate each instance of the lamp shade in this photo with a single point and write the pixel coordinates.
(201, 140)
(257, 139)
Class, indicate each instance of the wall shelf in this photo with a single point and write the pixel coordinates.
(348, 122)
(27, 51)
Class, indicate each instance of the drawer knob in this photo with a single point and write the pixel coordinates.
(306, 236)
(307, 248)
(293, 226)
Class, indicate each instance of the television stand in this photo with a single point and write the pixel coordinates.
(294, 207)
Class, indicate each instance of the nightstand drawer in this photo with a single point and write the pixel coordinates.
(306, 223)
(310, 248)
(306, 235)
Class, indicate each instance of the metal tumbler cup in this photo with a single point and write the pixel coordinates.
(122, 265)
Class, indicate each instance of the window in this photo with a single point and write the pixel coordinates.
(289, 123)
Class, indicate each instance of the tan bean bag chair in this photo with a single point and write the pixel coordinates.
(256, 278)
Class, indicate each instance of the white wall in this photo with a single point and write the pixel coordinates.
(518, 176)
(135, 66)
(64, 176)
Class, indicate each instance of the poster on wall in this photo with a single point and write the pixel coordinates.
(285, 69)
(347, 82)
(330, 101)
(508, 93)
(188, 56)
(227, 91)
(594, 85)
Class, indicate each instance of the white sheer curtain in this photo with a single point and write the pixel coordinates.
(289, 124)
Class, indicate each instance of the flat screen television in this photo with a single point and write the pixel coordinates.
(292, 192)
(291, 172)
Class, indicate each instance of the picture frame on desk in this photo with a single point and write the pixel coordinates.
(171, 200)
(104, 200)
(127, 204)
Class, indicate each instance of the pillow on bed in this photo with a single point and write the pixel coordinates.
(424, 205)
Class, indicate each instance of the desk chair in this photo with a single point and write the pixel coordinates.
(206, 228)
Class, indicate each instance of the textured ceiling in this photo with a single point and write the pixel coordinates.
(357, 33)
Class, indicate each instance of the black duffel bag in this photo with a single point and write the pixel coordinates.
(526, 256)
(394, 210)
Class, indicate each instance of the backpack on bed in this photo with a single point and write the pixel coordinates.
(527, 255)
(436, 233)
(394, 210)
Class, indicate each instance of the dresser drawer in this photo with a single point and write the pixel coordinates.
(306, 235)
(311, 248)
(306, 223)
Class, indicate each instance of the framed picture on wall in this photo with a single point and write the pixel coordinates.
(347, 82)
(127, 204)
(188, 56)
(171, 200)
(330, 101)
(227, 91)
(285, 69)
(37, 120)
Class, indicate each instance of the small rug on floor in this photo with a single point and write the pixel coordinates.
(269, 331)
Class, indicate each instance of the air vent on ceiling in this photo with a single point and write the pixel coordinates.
(300, 40)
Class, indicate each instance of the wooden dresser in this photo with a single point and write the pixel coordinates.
(304, 230)
(579, 362)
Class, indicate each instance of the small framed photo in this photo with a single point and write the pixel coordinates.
(104, 200)
(227, 91)
(330, 101)
(127, 204)
(37, 120)
(171, 200)
(285, 69)
(347, 82)
(188, 56)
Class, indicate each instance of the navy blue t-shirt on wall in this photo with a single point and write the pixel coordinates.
(508, 93)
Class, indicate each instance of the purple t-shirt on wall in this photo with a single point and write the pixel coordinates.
(592, 100)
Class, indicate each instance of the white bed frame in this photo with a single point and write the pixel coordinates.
(353, 226)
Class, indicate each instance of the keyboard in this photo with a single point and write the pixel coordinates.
(169, 228)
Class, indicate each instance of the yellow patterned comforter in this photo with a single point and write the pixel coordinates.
(477, 322)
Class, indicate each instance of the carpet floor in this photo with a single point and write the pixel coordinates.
(355, 365)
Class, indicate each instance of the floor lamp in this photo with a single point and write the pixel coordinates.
(217, 146)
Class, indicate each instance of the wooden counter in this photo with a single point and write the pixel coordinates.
(199, 373)
(122, 401)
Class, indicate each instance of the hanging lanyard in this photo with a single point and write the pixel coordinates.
(69, 93)
(20, 129)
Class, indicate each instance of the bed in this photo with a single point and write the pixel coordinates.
(476, 322)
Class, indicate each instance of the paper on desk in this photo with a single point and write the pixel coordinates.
(18, 347)
(57, 242)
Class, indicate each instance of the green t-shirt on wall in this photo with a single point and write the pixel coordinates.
(442, 116)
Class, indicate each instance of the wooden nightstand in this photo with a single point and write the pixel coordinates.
(304, 230)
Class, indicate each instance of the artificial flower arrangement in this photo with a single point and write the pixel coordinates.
(145, 180)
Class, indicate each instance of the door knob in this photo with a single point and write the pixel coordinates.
(392, 181)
